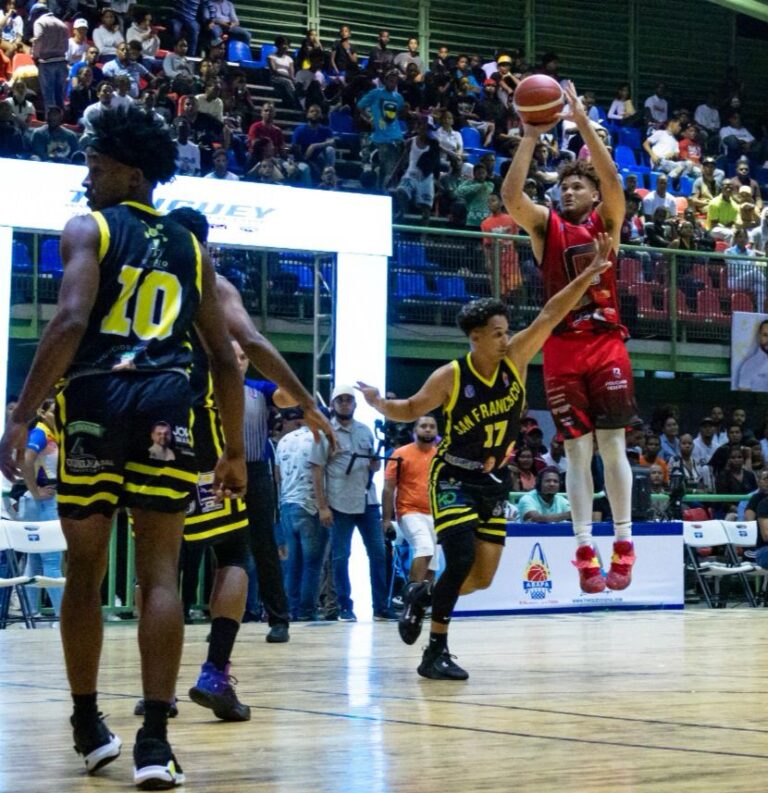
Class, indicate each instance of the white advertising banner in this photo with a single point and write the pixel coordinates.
(749, 352)
(240, 213)
(536, 576)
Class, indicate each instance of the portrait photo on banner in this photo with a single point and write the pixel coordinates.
(749, 352)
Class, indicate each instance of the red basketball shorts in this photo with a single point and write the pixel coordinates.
(588, 382)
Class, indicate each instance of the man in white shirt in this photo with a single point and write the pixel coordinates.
(736, 138)
(753, 372)
(78, 43)
(705, 443)
(656, 108)
(664, 150)
(187, 152)
(659, 198)
(305, 537)
(220, 170)
(555, 457)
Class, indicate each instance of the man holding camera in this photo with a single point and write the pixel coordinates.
(341, 480)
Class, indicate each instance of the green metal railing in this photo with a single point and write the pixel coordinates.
(678, 296)
(665, 293)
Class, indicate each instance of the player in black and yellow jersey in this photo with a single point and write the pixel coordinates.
(223, 525)
(482, 396)
(134, 283)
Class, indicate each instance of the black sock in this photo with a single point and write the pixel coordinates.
(85, 706)
(437, 642)
(223, 635)
(156, 719)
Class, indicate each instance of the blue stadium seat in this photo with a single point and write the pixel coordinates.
(411, 285)
(240, 52)
(641, 175)
(20, 260)
(499, 162)
(452, 287)
(266, 51)
(303, 272)
(624, 157)
(410, 254)
(630, 136)
(686, 186)
(50, 258)
(343, 126)
(471, 138)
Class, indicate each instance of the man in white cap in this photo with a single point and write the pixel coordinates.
(341, 481)
(78, 43)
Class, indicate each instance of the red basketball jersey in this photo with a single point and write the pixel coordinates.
(568, 249)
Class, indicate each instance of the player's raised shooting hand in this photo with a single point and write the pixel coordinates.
(575, 111)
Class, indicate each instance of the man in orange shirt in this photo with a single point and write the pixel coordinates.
(499, 222)
(406, 495)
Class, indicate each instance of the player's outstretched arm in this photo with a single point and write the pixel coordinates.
(531, 216)
(80, 243)
(524, 345)
(612, 207)
(435, 392)
(230, 476)
(263, 355)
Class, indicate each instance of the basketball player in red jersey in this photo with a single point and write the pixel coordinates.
(587, 372)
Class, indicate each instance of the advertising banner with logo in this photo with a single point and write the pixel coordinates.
(536, 576)
(240, 213)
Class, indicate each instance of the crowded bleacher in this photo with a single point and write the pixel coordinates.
(435, 133)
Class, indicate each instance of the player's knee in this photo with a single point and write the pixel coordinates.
(459, 550)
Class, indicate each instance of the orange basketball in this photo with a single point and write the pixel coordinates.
(537, 572)
(538, 99)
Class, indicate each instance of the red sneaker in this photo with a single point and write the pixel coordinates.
(590, 576)
(620, 574)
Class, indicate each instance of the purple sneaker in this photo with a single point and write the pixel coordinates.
(214, 690)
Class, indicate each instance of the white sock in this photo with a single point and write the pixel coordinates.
(618, 480)
(580, 487)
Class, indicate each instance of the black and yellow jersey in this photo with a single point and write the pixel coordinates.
(482, 418)
(150, 287)
(200, 381)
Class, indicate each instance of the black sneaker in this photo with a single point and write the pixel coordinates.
(95, 742)
(441, 667)
(416, 597)
(173, 712)
(278, 634)
(387, 615)
(154, 765)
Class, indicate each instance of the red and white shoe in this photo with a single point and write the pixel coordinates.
(591, 578)
(620, 574)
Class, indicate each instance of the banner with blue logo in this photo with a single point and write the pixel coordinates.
(536, 573)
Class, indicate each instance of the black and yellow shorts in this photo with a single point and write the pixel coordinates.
(462, 501)
(206, 519)
(125, 442)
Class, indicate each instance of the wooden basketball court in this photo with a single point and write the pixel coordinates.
(643, 701)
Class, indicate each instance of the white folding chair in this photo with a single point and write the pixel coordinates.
(743, 534)
(29, 536)
(709, 534)
(15, 582)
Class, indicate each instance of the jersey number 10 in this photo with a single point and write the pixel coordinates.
(155, 310)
